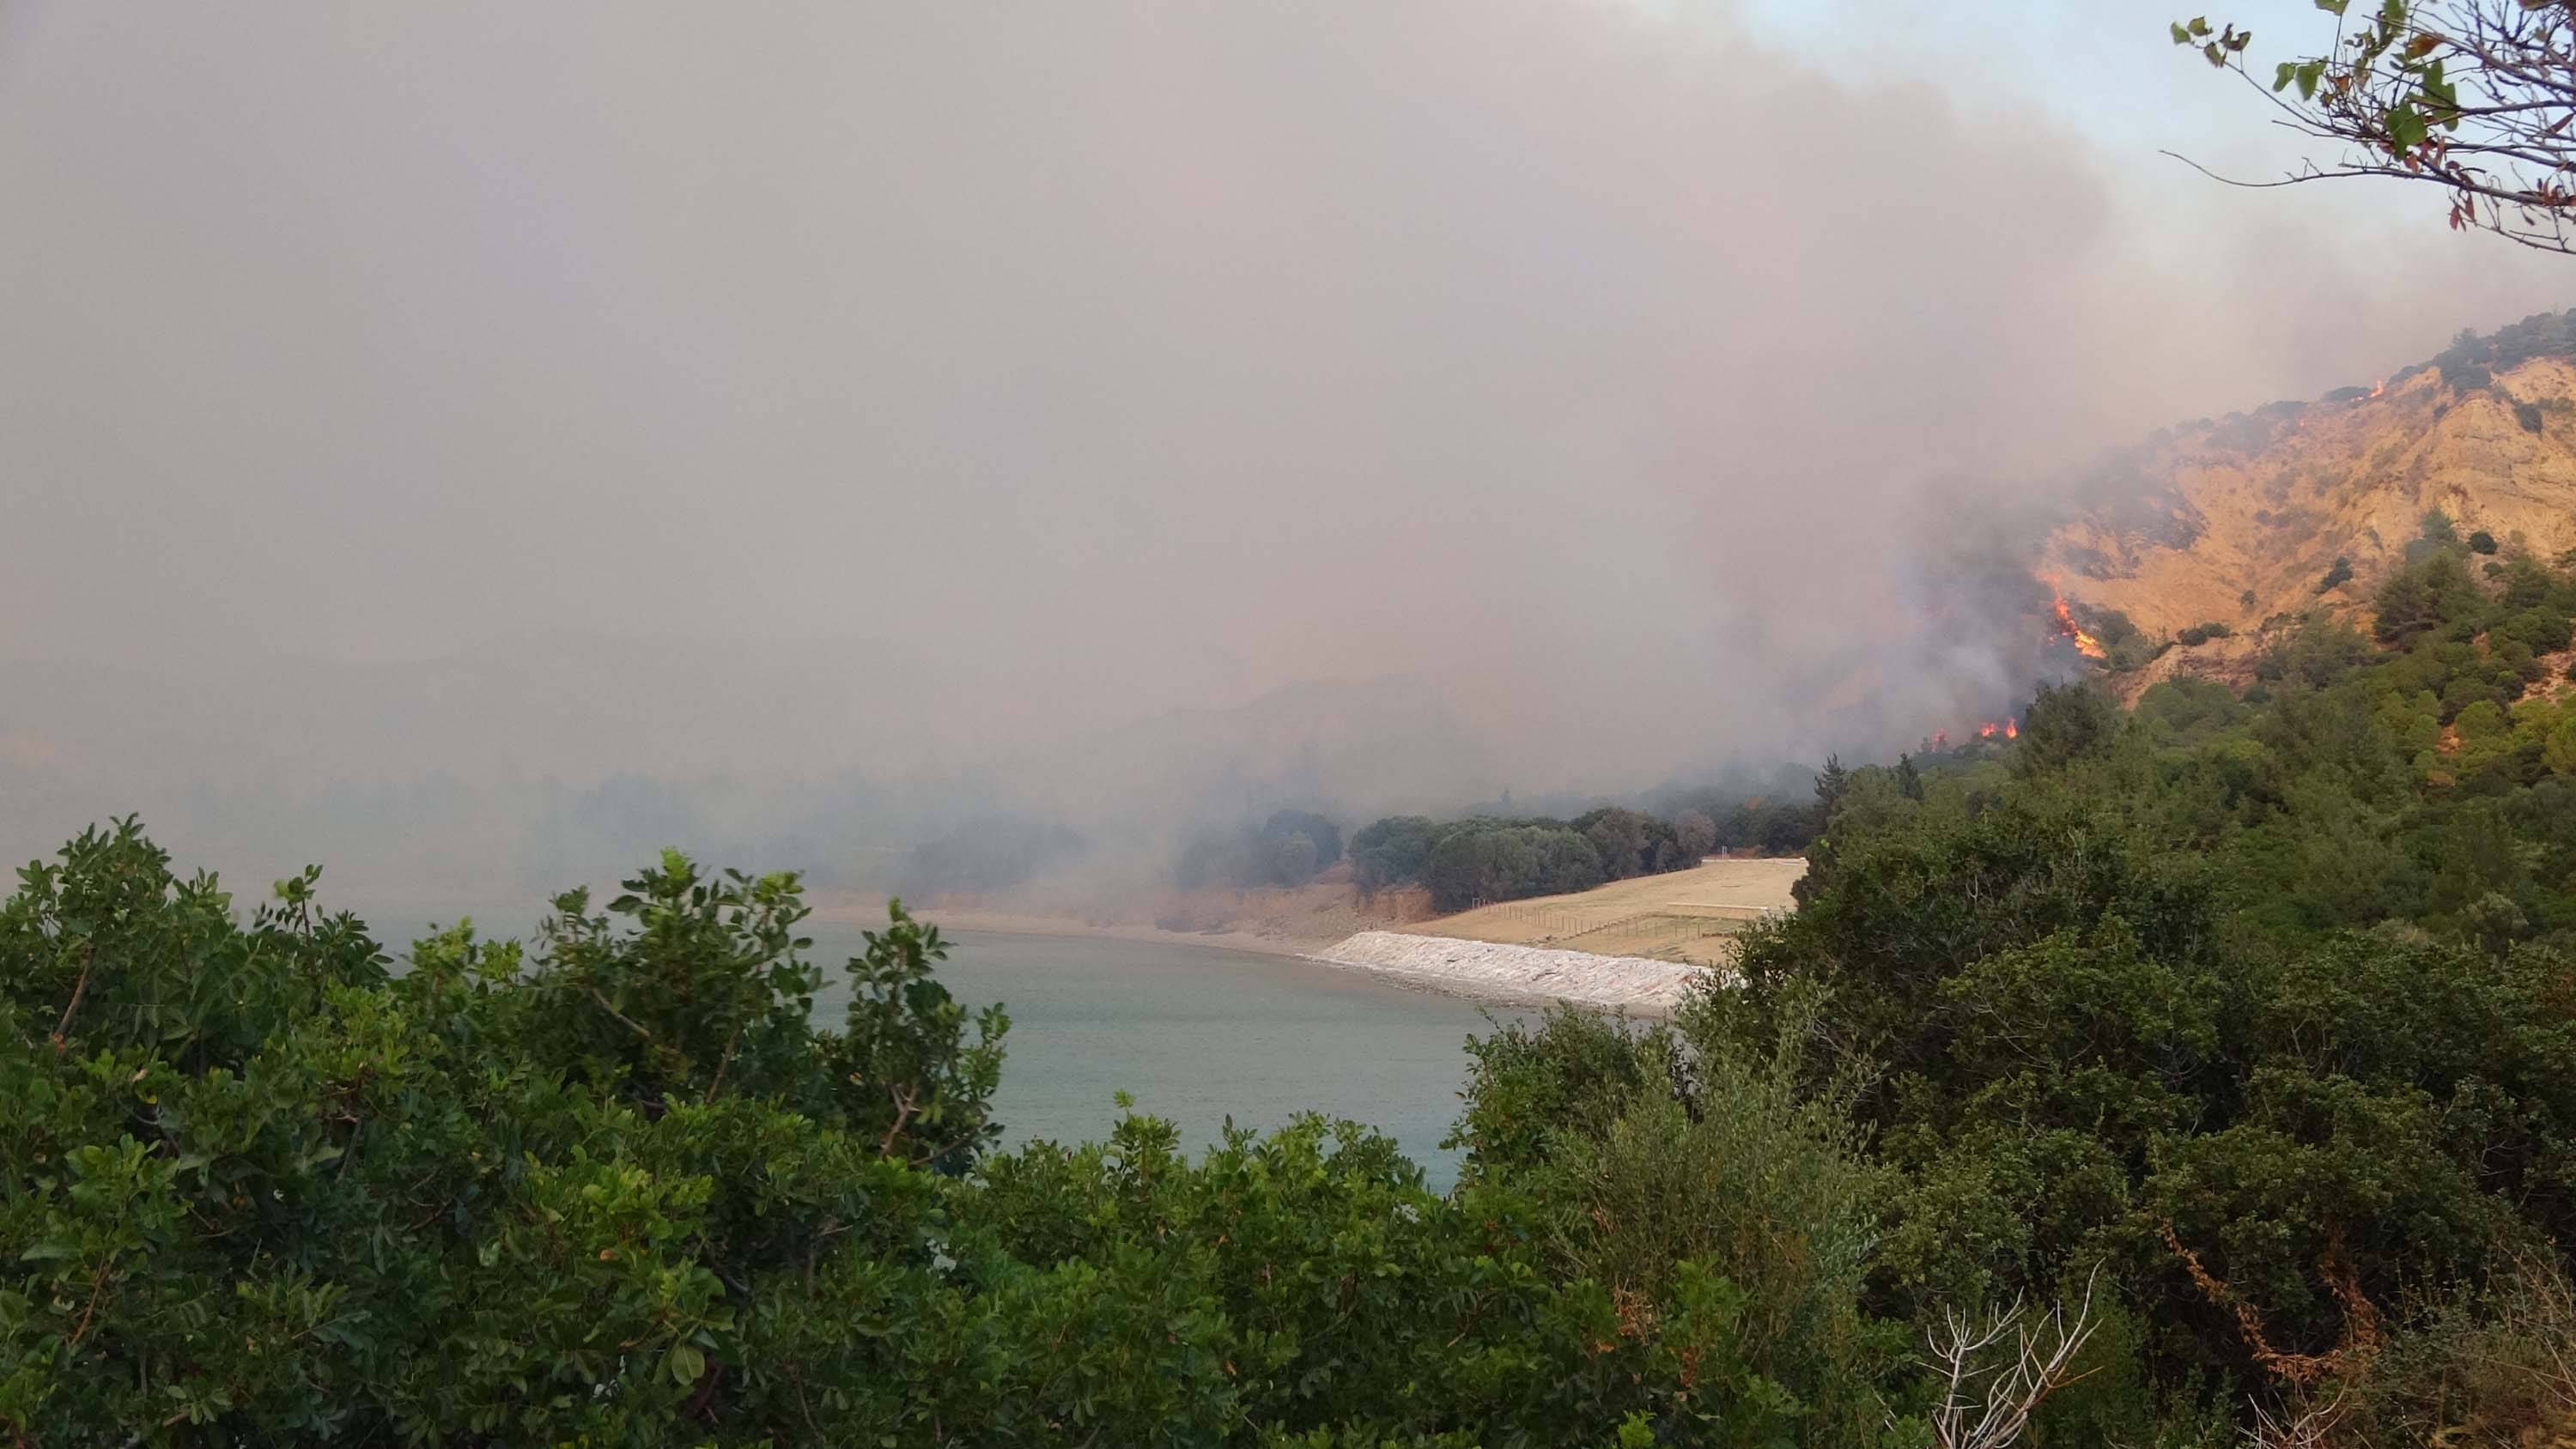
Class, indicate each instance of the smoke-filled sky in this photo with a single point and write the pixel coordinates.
(486, 394)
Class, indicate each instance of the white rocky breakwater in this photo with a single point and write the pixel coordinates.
(1516, 973)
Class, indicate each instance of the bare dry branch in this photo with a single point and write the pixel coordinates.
(62, 1028)
(1997, 1371)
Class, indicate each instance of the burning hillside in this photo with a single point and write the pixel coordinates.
(2063, 632)
(2298, 506)
(2085, 644)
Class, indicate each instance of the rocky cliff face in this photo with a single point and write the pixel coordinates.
(2240, 521)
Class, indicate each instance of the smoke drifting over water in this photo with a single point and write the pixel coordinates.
(478, 444)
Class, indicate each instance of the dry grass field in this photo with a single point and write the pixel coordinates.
(1686, 915)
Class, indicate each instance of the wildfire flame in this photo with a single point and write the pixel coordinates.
(2009, 728)
(2085, 644)
(2379, 387)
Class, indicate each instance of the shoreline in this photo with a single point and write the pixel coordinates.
(1312, 951)
(1499, 997)
(1010, 923)
(1613, 945)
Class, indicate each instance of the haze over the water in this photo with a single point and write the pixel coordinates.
(474, 444)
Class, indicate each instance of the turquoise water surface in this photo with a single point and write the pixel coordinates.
(1199, 1034)
(1196, 1034)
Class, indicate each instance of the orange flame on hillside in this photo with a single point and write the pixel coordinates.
(2085, 644)
(2007, 728)
(2379, 387)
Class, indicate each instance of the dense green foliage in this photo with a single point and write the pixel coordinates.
(257, 1189)
(1393, 850)
(1490, 858)
(621, 1189)
(1482, 859)
(2268, 1002)
(1501, 861)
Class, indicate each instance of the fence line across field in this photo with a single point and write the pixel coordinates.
(1695, 932)
(1563, 920)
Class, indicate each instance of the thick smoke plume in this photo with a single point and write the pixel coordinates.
(475, 444)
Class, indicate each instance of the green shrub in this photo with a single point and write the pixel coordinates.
(2489, 1365)
(1662, 1155)
(258, 1186)
(254, 1188)
(2430, 596)
(1393, 850)
(1487, 862)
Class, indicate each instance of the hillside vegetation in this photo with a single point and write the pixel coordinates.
(2262, 517)
(2262, 1004)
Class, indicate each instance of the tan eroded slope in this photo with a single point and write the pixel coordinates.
(2191, 524)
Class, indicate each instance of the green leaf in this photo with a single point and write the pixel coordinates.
(2180, 35)
(2200, 25)
(2440, 96)
(2281, 75)
(2332, 7)
(687, 1362)
(2406, 128)
(2309, 75)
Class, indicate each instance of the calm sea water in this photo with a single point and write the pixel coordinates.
(1199, 1035)
(1195, 1034)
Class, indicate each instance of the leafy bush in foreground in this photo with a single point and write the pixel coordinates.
(255, 1187)
(2264, 1003)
